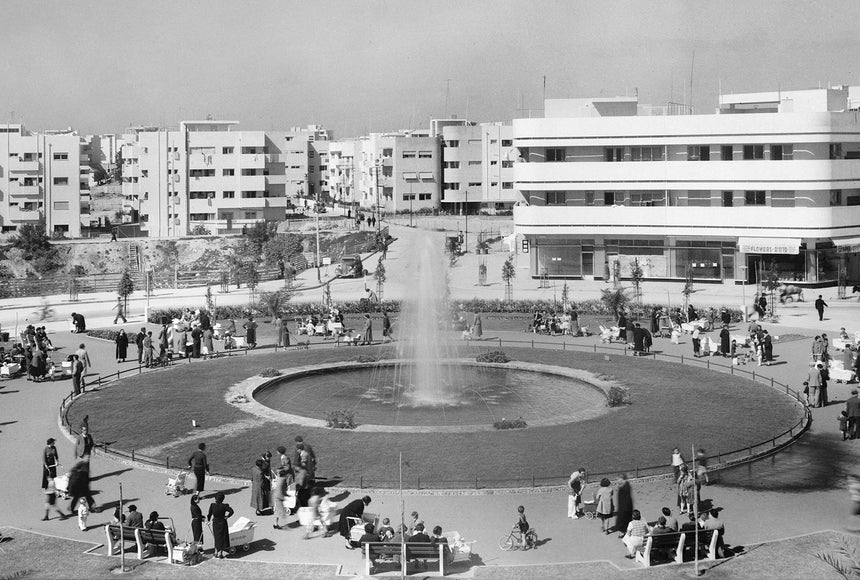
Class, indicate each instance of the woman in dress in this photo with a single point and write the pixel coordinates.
(218, 514)
(624, 505)
(605, 504)
(196, 520)
(477, 326)
(259, 498)
(250, 332)
(50, 460)
(278, 495)
(121, 346)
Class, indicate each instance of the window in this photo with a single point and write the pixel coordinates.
(409, 197)
(494, 162)
(387, 152)
(835, 197)
(753, 152)
(728, 198)
(608, 198)
(507, 185)
(228, 195)
(202, 173)
(227, 150)
(781, 152)
(474, 163)
(202, 216)
(493, 141)
(754, 197)
(645, 198)
(424, 197)
(61, 156)
(250, 215)
(698, 153)
(699, 198)
(646, 154)
(556, 198)
(555, 154)
(311, 169)
(387, 171)
(507, 163)
(201, 194)
(253, 172)
(228, 172)
(451, 186)
(726, 152)
(254, 150)
(782, 199)
(61, 205)
(474, 184)
(452, 143)
(425, 155)
(452, 165)
(507, 143)
(61, 181)
(249, 194)
(613, 154)
(409, 155)
(836, 150)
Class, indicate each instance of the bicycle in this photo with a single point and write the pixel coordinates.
(514, 540)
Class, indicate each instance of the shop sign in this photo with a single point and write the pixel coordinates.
(769, 245)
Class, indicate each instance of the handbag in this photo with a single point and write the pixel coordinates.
(290, 497)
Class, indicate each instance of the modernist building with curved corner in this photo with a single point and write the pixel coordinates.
(769, 180)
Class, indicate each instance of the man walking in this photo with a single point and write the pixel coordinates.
(139, 342)
(120, 310)
(147, 349)
(852, 408)
(819, 306)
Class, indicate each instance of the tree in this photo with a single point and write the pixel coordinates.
(636, 276)
(210, 303)
(275, 303)
(770, 282)
(200, 230)
(688, 288)
(125, 288)
(379, 276)
(36, 248)
(280, 250)
(260, 233)
(614, 300)
(565, 296)
(508, 274)
(117, 170)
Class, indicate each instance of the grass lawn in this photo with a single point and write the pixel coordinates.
(673, 405)
(29, 555)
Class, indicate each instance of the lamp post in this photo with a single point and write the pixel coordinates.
(378, 165)
(743, 270)
(466, 212)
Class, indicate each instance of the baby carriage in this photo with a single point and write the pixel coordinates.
(176, 485)
(61, 483)
(609, 334)
(356, 527)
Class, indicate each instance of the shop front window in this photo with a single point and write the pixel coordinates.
(559, 260)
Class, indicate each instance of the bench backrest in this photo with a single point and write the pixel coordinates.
(704, 537)
(157, 537)
(127, 532)
(665, 540)
(384, 548)
(423, 550)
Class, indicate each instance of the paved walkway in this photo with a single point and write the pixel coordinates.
(755, 510)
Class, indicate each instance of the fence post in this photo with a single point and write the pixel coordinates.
(774, 441)
(361, 482)
(771, 382)
(563, 346)
(167, 462)
(637, 472)
(750, 450)
(753, 375)
(733, 368)
(500, 342)
(791, 432)
(709, 363)
(533, 343)
(595, 347)
(476, 482)
(533, 480)
(132, 454)
(719, 459)
(682, 359)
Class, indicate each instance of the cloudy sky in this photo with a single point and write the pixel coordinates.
(359, 65)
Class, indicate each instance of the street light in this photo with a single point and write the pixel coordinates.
(743, 270)
(378, 165)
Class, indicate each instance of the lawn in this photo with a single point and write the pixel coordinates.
(673, 405)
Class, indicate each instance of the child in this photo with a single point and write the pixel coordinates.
(83, 513)
(523, 525)
(843, 424)
(677, 462)
(51, 500)
(415, 521)
(386, 532)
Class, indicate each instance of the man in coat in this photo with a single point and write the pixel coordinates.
(819, 306)
(852, 408)
(138, 340)
(354, 509)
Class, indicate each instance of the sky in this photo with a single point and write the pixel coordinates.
(355, 66)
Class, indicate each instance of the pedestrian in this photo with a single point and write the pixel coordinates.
(199, 464)
(50, 460)
(820, 304)
(279, 488)
(624, 505)
(762, 306)
(854, 494)
(84, 444)
(367, 332)
(605, 507)
(164, 337)
(477, 326)
(702, 466)
(79, 486)
(575, 484)
(822, 393)
(677, 462)
(218, 514)
(138, 340)
(250, 332)
(78, 385)
(278, 324)
(196, 340)
(51, 501)
(84, 357)
(386, 327)
(147, 349)
(852, 408)
(725, 340)
(767, 346)
(196, 520)
(354, 509)
(697, 343)
(259, 488)
(843, 424)
(120, 310)
(208, 347)
(814, 380)
(121, 346)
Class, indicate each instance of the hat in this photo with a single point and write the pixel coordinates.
(853, 391)
(51, 440)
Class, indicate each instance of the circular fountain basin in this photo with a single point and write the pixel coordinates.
(382, 398)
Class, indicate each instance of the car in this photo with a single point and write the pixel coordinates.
(351, 267)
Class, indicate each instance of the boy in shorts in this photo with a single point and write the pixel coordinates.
(522, 524)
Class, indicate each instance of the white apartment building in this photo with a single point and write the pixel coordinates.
(478, 168)
(342, 169)
(205, 174)
(44, 179)
(399, 172)
(304, 154)
(771, 178)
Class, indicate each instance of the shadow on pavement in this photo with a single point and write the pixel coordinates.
(110, 474)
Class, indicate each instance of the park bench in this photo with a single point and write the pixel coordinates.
(673, 546)
(424, 551)
(141, 537)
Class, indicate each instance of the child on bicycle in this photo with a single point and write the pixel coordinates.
(523, 525)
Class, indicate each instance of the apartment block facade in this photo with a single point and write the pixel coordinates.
(206, 174)
(44, 179)
(770, 180)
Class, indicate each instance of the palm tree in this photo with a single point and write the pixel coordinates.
(614, 300)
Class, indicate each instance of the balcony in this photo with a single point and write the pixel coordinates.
(18, 190)
(713, 222)
(19, 164)
(252, 161)
(21, 215)
(804, 174)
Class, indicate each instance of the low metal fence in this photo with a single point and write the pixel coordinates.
(717, 461)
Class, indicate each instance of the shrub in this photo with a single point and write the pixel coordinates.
(103, 333)
(618, 396)
(270, 372)
(366, 359)
(340, 419)
(495, 356)
(518, 423)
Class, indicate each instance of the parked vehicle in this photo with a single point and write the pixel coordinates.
(351, 267)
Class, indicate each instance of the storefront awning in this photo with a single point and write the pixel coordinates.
(769, 245)
(847, 245)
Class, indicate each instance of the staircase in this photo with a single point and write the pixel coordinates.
(132, 258)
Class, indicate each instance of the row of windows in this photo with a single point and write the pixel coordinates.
(225, 194)
(778, 198)
(412, 154)
(778, 152)
(456, 143)
(454, 185)
(421, 196)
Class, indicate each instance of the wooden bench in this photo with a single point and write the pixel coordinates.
(677, 542)
(141, 537)
(414, 551)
